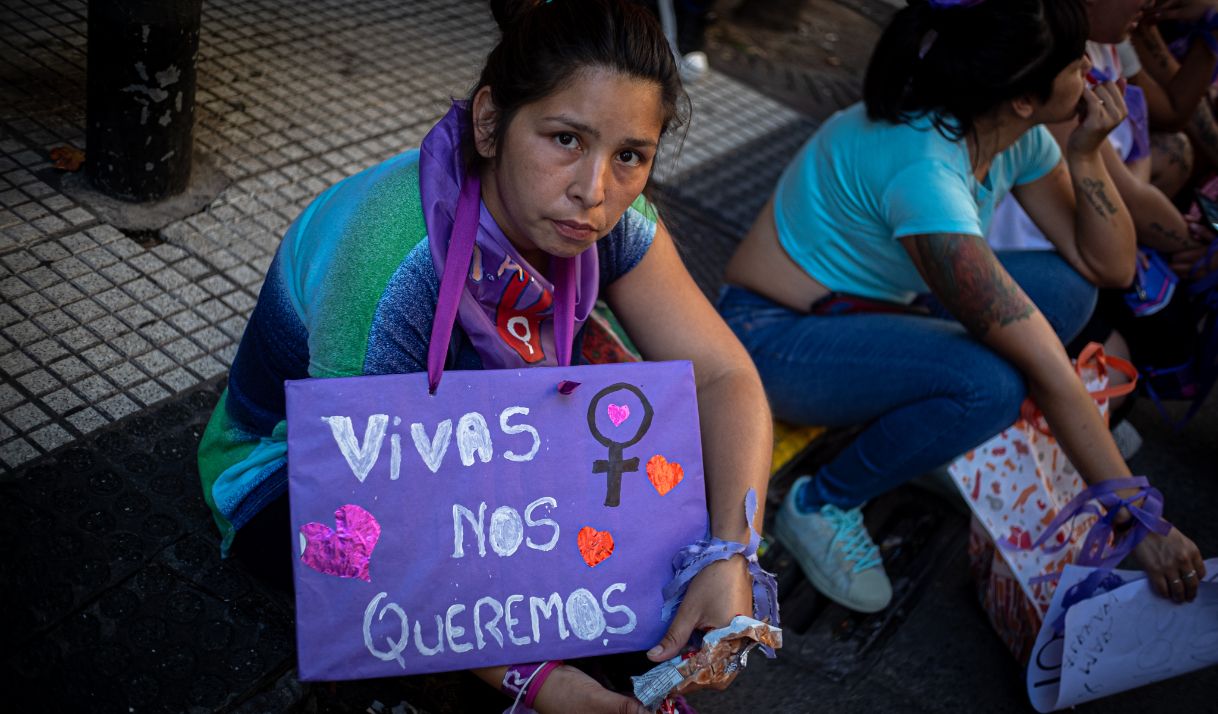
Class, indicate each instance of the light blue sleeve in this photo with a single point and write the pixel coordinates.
(930, 197)
(1036, 153)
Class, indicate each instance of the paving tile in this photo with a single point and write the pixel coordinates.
(136, 315)
(101, 356)
(38, 382)
(9, 315)
(13, 287)
(41, 277)
(26, 416)
(50, 437)
(56, 322)
(148, 392)
(113, 299)
(108, 327)
(187, 321)
(87, 420)
(62, 401)
(178, 380)
(46, 351)
(118, 406)
(163, 305)
(62, 293)
(49, 251)
(17, 452)
(142, 289)
(130, 344)
(78, 339)
(85, 311)
(9, 396)
(240, 301)
(120, 273)
(125, 375)
(90, 282)
(98, 258)
(94, 388)
(24, 332)
(182, 350)
(155, 362)
(32, 304)
(207, 367)
(70, 369)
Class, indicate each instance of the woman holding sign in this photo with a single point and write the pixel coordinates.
(562, 130)
(891, 199)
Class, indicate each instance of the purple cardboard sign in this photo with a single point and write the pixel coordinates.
(500, 521)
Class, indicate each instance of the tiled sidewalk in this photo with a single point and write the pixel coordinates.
(291, 98)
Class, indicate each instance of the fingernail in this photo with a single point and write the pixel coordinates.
(654, 651)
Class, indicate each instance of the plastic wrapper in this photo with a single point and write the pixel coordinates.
(723, 653)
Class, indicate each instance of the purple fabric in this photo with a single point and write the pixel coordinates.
(692, 559)
(1139, 119)
(505, 308)
(1100, 549)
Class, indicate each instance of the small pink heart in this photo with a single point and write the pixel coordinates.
(344, 551)
(617, 414)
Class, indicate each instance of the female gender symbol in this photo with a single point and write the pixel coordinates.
(615, 465)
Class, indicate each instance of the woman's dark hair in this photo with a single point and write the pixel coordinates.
(545, 44)
(958, 63)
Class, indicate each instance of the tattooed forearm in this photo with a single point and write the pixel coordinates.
(967, 278)
(1170, 237)
(1095, 191)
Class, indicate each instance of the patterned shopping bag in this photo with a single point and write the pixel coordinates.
(1015, 484)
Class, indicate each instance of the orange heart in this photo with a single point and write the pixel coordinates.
(594, 545)
(664, 474)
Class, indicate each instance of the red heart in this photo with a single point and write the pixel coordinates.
(664, 474)
(345, 550)
(594, 545)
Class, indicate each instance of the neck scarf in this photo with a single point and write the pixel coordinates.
(506, 308)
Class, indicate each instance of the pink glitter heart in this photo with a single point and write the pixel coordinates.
(617, 414)
(344, 551)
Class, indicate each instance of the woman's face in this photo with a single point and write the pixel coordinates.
(1068, 88)
(572, 162)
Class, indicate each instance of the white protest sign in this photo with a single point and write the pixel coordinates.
(1120, 640)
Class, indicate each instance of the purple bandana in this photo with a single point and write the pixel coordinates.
(507, 305)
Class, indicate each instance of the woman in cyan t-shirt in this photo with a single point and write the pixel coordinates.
(890, 200)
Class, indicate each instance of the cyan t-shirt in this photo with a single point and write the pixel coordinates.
(857, 186)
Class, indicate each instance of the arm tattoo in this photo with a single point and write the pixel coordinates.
(1171, 236)
(966, 276)
(1095, 193)
(1205, 132)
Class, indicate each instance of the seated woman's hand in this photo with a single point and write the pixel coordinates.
(1195, 262)
(1172, 563)
(718, 593)
(569, 690)
(1103, 109)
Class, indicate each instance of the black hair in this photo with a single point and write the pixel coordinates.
(958, 63)
(545, 44)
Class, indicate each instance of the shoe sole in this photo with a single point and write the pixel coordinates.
(821, 582)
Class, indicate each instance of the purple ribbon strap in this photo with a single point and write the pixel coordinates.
(1101, 550)
(693, 559)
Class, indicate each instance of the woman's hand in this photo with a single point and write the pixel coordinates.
(569, 690)
(720, 592)
(1172, 563)
(1103, 109)
(1189, 263)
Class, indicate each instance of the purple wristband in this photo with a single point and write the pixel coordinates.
(525, 680)
(539, 679)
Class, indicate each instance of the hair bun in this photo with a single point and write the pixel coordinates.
(507, 12)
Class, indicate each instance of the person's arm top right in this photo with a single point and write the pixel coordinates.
(967, 278)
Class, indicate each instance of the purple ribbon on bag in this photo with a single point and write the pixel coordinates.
(1100, 549)
(693, 559)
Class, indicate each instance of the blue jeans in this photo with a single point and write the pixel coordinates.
(927, 390)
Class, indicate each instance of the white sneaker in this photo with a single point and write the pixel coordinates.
(835, 552)
(1127, 439)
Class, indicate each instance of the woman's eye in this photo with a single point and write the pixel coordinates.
(630, 158)
(566, 140)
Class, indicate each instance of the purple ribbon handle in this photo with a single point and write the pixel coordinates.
(693, 559)
(1100, 550)
(452, 282)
